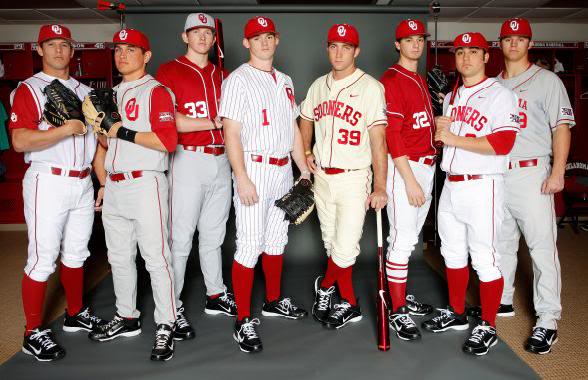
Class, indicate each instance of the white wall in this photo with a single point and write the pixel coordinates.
(80, 32)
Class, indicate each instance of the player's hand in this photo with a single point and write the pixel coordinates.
(114, 129)
(99, 198)
(440, 97)
(377, 200)
(218, 123)
(442, 132)
(415, 194)
(247, 192)
(74, 127)
(305, 173)
(311, 163)
(553, 184)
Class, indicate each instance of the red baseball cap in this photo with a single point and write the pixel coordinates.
(131, 37)
(410, 27)
(516, 27)
(48, 32)
(345, 33)
(258, 25)
(470, 39)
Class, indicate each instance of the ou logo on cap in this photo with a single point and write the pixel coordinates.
(341, 30)
(412, 25)
(56, 29)
(514, 25)
(202, 18)
(123, 34)
(466, 38)
(262, 21)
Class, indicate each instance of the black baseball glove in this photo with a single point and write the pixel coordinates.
(298, 203)
(61, 105)
(437, 83)
(100, 110)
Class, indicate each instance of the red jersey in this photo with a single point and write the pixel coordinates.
(411, 121)
(197, 91)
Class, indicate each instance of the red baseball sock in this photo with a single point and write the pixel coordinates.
(490, 295)
(345, 282)
(242, 285)
(398, 294)
(457, 282)
(72, 280)
(331, 275)
(272, 269)
(33, 296)
(214, 296)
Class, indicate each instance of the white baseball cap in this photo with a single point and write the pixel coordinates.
(199, 20)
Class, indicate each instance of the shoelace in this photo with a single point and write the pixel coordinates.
(161, 338)
(113, 322)
(324, 298)
(286, 304)
(478, 333)
(249, 328)
(405, 319)
(86, 314)
(44, 339)
(225, 298)
(340, 309)
(444, 314)
(181, 320)
(410, 298)
(539, 334)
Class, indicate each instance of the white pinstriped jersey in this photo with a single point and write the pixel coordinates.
(479, 110)
(265, 106)
(543, 105)
(343, 111)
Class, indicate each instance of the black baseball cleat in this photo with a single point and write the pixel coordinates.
(82, 321)
(503, 311)
(42, 345)
(283, 307)
(446, 319)
(541, 340)
(402, 323)
(163, 348)
(482, 337)
(323, 300)
(224, 304)
(416, 308)
(182, 329)
(341, 314)
(246, 336)
(117, 327)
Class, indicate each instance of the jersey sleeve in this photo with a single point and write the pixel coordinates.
(506, 113)
(233, 99)
(164, 77)
(558, 107)
(446, 100)
(306, 107)
(162, 117)
(395, 114)
(376, 106)
(25, 112)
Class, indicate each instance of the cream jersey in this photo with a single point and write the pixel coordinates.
(343, 111)
(479, 110)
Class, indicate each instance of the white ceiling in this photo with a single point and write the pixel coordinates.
(84, 12)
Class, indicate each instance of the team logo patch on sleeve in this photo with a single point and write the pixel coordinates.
(13, 117)
(166, 116)
(515, 118)
(565, 111)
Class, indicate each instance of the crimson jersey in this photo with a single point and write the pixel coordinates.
(410, 114)
(197, 91)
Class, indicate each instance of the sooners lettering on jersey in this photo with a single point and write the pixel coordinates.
(197, 91)
(410, 114)
(337, 109)
(480, 110)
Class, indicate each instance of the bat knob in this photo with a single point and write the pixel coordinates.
(439, 144)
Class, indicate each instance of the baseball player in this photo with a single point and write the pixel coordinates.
(135, 199)
(199, 173)
(411, 169)
(347, 109)
(530, 181)
(58, 195)
(259, 118)
(478, 133)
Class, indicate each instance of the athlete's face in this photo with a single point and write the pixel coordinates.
(199, 40)
(471, 62)
(515, 48)
(130, 59)
(56, 53)
(262, 46)
(411, 47)
(341, 55)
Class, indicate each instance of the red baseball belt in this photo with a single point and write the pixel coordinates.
(424, 160)
(214, 150)
(270, 160)
(331, 171)
(464, 177)
(81, 174)
(116, 177)
(523, 163)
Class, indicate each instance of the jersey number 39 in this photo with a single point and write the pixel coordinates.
(349, 137)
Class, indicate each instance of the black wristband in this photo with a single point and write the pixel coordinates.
(126, 134)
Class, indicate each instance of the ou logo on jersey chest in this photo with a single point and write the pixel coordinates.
(56, 29)
(514, 25)
(132, 109)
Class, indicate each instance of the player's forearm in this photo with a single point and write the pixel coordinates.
(298, 152)
(306, 130)
(234, 148)
(403, 166)
(188, 124)
(379, 157)
(472, 144)
(98, 164)
(32, 140)
(561, 148)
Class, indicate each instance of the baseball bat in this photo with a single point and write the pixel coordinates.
(220, 44)
(439, 144)
(382, 304)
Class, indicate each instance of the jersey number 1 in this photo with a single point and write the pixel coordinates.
(265, 120)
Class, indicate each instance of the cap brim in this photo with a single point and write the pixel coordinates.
(198, 27)
(70, 40)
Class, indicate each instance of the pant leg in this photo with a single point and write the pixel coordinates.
(78, 228)
(508, 246)
(452, 231)
(325, 209)
(276, 227)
